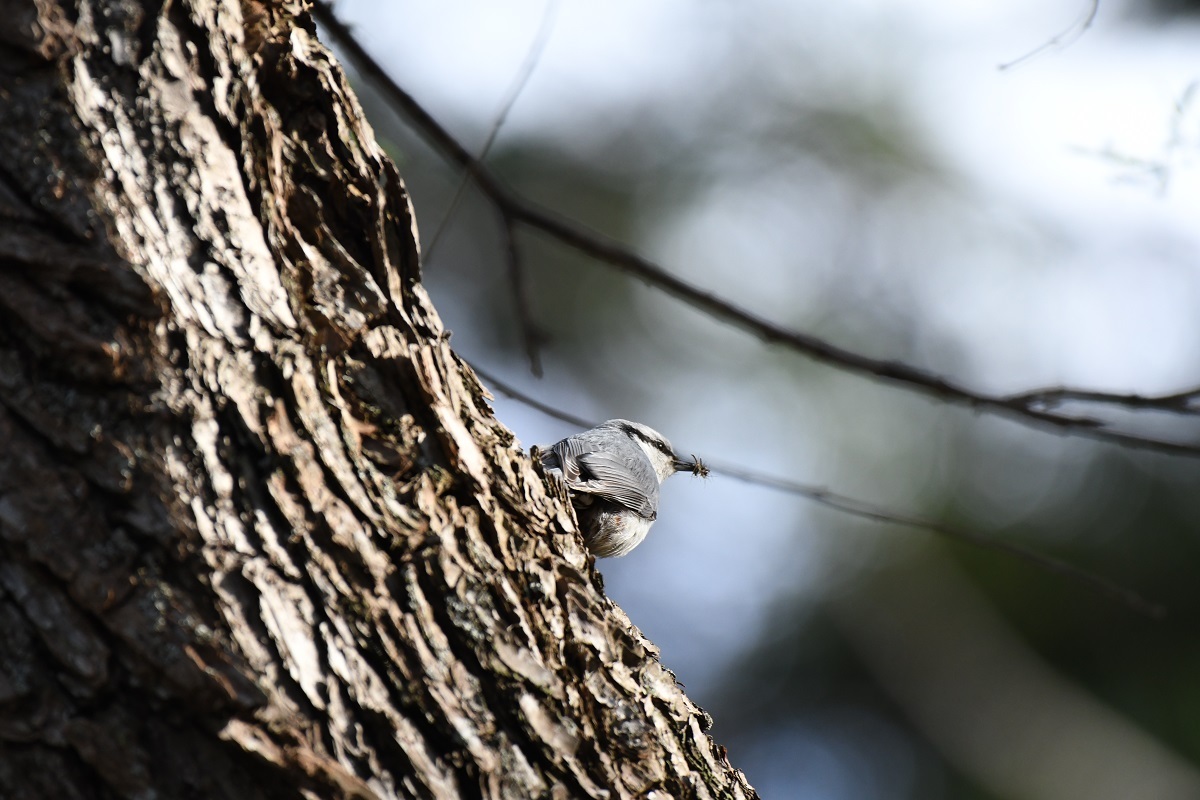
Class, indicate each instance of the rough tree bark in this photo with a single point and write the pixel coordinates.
(260, 534)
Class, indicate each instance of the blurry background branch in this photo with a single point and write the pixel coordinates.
(864, 510)
(1063, 39)
(1184, 402)
(531, 335)
(1027, 408)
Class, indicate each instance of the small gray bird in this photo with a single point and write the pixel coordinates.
(613, 472)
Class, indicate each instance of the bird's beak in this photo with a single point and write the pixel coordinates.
(692, 465)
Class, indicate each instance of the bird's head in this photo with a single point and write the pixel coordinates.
(658, 449)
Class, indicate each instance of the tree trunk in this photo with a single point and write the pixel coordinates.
(260, 534)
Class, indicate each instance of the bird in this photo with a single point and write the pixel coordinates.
(613, 472)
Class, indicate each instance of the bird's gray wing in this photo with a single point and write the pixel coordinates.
(626, 480)
(563, 458)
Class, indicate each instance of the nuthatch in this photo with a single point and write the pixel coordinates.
(613, 472)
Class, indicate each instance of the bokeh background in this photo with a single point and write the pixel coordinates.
(865, 171)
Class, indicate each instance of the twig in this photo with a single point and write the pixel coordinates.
(1064, 38)
(531, 332)
(524, 73)
(864, 510)
(529, 400)
(1175, 403)
(592, 243)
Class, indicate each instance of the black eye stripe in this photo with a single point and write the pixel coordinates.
(657, 444)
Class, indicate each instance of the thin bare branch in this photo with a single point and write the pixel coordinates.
(1184, 402)
(524, 73)
(532, 335)
(586, 240)
(516, 394)
(532, 57)
(864, 510)
(1063, 39)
